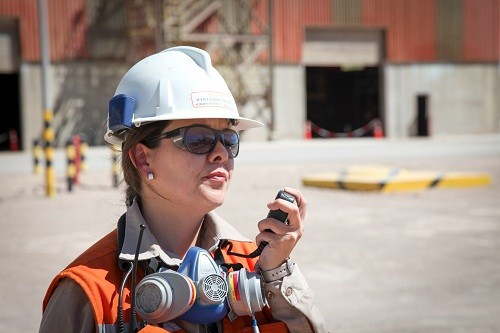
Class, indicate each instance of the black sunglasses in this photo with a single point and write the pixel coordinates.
(200, 139)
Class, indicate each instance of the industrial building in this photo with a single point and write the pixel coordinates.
(338, 67)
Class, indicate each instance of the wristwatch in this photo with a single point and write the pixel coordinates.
(279, 272)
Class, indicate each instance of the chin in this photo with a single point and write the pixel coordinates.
(214, 197)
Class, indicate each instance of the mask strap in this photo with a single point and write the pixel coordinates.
(254, 254)
(219, 258)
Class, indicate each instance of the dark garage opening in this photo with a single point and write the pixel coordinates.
(422, 116)
(10, 126)
(341, 100)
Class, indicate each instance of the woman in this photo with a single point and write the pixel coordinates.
(178, 125)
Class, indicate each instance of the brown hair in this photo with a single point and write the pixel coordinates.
(131, 175)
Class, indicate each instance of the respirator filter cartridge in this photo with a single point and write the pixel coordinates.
(164, 296)
(245, 296)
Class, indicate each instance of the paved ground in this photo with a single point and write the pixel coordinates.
(401, 262)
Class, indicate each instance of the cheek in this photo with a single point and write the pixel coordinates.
(230, 168)
(181, 167)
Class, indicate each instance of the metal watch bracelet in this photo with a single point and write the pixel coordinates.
(279, 272)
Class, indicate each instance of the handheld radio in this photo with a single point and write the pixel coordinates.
(278, 214)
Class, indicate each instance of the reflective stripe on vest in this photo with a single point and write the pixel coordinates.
(111, 328)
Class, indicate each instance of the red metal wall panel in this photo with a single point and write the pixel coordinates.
(67, 27)
(291, 17)
(291, 37)
(420, 31)
(30, 38)
(23, 10)
(481, 30)
(409, 25)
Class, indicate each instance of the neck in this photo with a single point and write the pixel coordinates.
(176, 228)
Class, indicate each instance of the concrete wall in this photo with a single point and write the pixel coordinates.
(463, 98)
(80, 91)
(289, 92)
(289, 98)
(31, 108)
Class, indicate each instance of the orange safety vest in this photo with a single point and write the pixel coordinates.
(96, 271)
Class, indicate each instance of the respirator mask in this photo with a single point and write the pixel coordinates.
(200, 291)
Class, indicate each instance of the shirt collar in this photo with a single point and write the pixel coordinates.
(213, 229)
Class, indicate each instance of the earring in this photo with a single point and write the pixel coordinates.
(150, 176)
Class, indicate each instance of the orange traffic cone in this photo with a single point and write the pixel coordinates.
(378, 132)
(308, 131)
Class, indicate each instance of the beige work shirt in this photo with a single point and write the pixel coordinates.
(290, 299)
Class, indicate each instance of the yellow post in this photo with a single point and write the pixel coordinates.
(116, 165)
(70, 168)
(48, 136)
(37, 156)
(84, 147)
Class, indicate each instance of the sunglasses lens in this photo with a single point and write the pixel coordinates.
(232, 142)
(199, 140)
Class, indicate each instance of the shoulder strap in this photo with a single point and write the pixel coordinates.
(150, 266)
(123, 264)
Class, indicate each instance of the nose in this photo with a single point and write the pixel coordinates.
(219, 154)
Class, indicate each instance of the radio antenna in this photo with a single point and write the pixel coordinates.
(132, 326)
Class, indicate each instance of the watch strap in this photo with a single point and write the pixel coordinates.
(279, 272)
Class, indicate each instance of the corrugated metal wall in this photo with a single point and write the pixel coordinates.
(409, 27)
(346, 13)
(67, 27)
(449, 30)
(26, 12)
(481, 30)
(415, 30)
(290, 19)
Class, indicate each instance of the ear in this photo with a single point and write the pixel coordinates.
(140, 155)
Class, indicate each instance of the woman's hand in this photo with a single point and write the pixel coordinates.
(285, 237)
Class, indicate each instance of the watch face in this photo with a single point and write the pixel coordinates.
(148, 297)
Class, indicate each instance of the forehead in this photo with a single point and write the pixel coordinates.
(214, 123)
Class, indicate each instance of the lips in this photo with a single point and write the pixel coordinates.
(217, 176)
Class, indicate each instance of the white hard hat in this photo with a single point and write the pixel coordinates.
(177, 83)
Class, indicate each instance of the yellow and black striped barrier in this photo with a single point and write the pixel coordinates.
(84, 148)
(48, 137)
(116, 165)
(387, 179)
(70, 164)
(37, 156)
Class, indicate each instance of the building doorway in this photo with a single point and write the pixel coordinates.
(344, 81)
(342, 101)
(10, 126)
